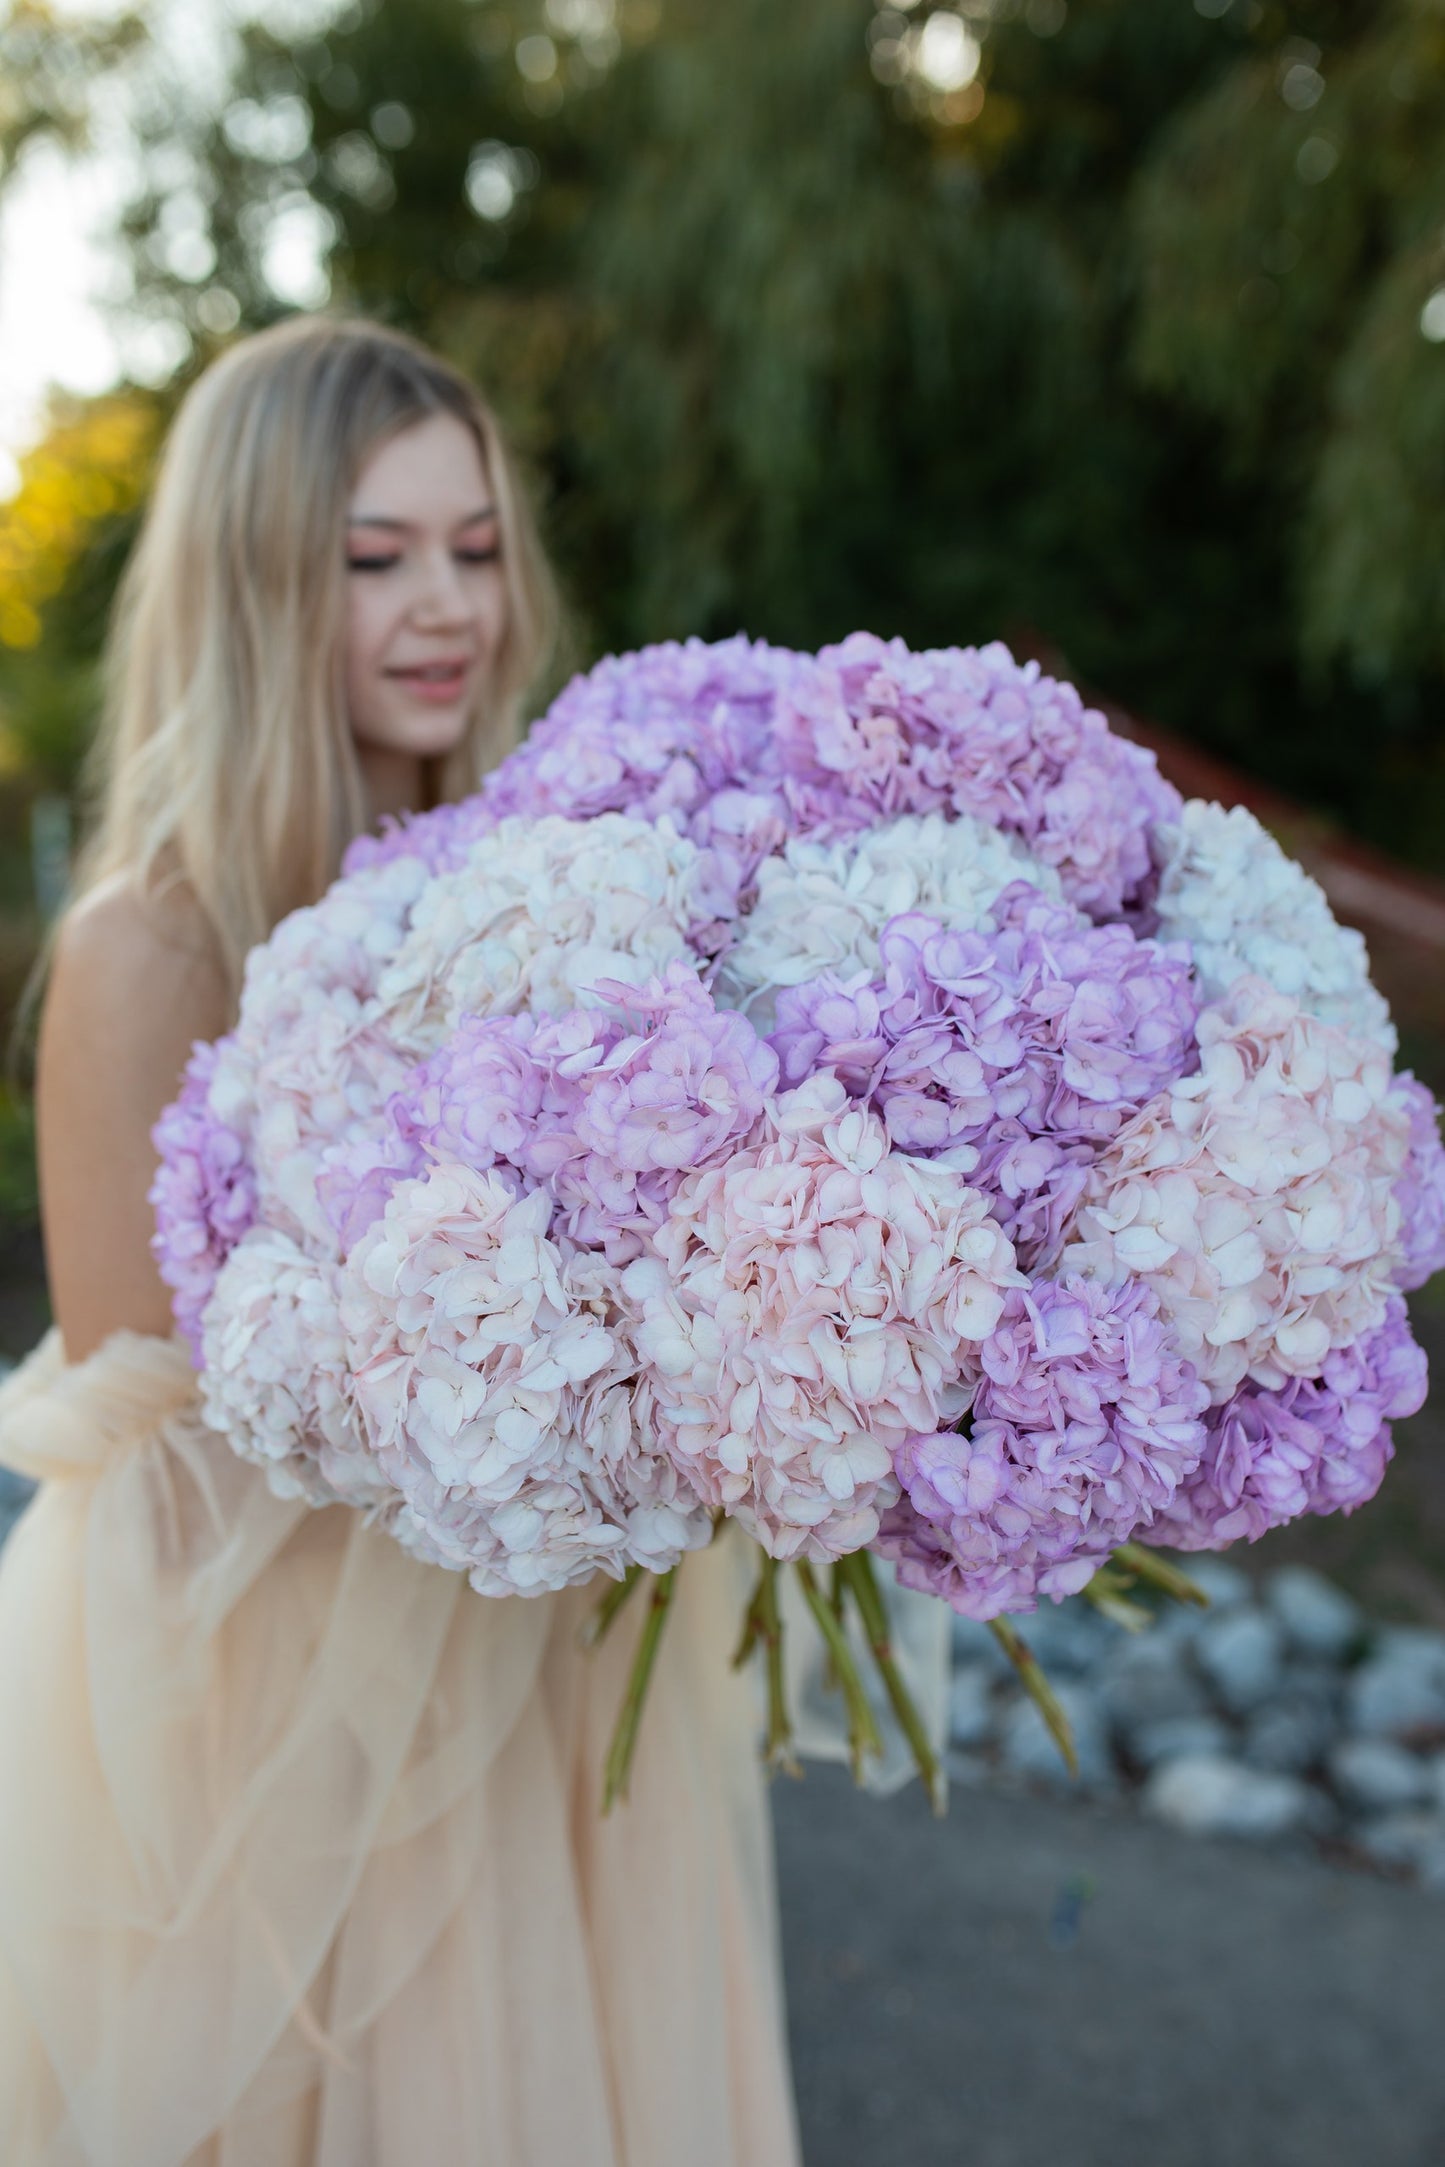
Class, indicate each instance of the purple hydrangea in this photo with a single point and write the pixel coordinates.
(203, 1196)
(1029, 1045)
(1320, 1445)
(873, 730)
(1420, 1191)
(442, 838)
(1084, 1426)
(608, 1112)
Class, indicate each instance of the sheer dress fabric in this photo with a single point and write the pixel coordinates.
(301, 1863)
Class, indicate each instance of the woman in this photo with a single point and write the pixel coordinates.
(300, 1852)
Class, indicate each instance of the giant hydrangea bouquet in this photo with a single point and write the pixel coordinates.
(849, 1094)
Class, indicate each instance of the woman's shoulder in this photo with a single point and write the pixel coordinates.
(139, 954)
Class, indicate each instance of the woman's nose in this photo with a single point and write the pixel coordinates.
(442, 598)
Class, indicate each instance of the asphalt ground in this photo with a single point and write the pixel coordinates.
(1040, 1983)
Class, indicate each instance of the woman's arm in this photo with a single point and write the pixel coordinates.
(134, 983)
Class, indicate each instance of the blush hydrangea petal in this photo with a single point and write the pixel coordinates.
(204, 1193)
(1420, 1190)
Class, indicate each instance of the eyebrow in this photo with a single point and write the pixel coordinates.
(404, 526)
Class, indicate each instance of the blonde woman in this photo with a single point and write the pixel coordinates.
(300, 1857)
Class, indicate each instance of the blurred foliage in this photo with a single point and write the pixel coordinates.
(1098, 321)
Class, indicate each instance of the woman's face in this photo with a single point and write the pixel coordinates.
(426, 597)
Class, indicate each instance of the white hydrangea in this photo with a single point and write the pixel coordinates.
(539, 912)
(1248, 910)
(308, 1065)
(821, 906)
(1257, 1196)
(275, 1380)
(498, 1386)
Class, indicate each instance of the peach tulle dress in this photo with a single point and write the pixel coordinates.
(301, 1863)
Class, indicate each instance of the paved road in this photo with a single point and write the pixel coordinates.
(1030, 1984)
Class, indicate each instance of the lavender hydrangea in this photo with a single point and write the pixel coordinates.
(1320, 1445)
(1083, 1427)
(1029, 1045)
(874, 730)
(204, 1193)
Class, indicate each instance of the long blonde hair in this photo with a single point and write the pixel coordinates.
(224, 758)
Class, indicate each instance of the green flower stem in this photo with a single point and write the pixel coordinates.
(752, 1630)
(618, 1769)
(1108, 1591)
(596, 1627)
(1037, 1686)
(863, 1737)
(857, 1574)
(779, 1748)
(1157, 1572)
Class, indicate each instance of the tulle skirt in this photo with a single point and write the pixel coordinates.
(301, 1858)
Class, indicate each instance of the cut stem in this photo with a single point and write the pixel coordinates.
(1108, 1591)
(863, 1737)
(856, 1572)
(779, 1745)
(1157, 1572)
(618, 1769)
(599, 1623)
(1037, 1686)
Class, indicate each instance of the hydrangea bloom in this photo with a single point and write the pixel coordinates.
(496, 1383)
(1084, 1425)
(1256, 1197)
(1031, 1044)
(1247, 910)
(822, 906)
(610, 1110)
(1420, 1190)
(274, 1378)
(203, 1196)
(1320, 1445)
(805, 1306)
(540, 912)
(873, 731)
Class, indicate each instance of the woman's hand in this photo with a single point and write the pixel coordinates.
(134, 983)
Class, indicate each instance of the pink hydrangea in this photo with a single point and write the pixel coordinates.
(1084, 1425)
(1256, 1197)
(1420, 1190)
(1029, 1044)
(873, 730)
(496, 1383)
(805, 1306)
(203, 1196)
(1319, 1445)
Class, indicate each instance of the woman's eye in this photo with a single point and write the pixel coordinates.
(489, 555)
(371, 564)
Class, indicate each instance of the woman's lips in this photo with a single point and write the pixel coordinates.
(438, 683)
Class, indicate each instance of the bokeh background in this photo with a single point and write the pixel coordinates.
(1113, 327)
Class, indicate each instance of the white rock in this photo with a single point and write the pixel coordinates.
(1177, 1737)
(1208, 1796)
(1241, 1654)
(1412, 1839)
(974, 1643)
(1070, 1639)
(970, 1706)
(1148, 1681)
(1029, 1747)
(1225, 1585)
(1319, 1619)
(1395, 1691)
(1373, 1775)
(1287, 1735)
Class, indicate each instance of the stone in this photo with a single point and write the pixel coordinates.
(1147, 1682)
(1029, 1747)
(1070, 1639)
(970, 1704)
(1225, 1585)
(1399, 1689)
(974, 1643)
(1373, 1775)
(1176, 1736)
(15, 1494)
(1205, 1795)
(1287, 1735)
(1411, 1839)
(1242, 1655)
(1320, 1621)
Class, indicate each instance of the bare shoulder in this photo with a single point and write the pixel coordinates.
(135, 980)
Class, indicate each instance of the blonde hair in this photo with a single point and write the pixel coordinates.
(225, 759)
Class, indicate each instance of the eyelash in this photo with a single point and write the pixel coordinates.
(387, 564)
